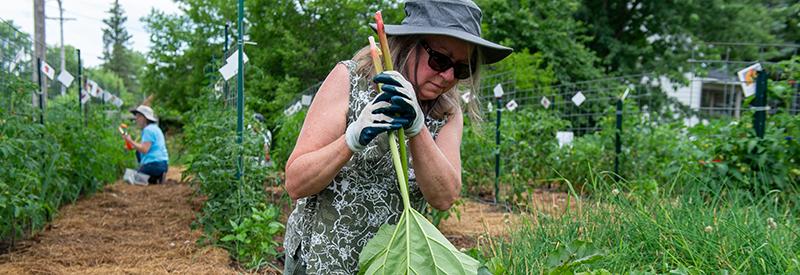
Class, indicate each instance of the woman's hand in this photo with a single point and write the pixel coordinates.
(376, 118)
(127, 138)
(401, 94)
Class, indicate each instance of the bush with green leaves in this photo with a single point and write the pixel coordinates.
(234, 214)
(734, 154)
(253, 238)
(286, 133)
(46, 166)
(527, 147)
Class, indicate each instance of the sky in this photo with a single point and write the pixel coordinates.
(86, 31)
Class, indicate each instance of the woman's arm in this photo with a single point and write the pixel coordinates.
(143, 147)
(321, 150)
(437, 164)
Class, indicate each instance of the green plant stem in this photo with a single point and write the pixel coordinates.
(401, 138)
(398, 167)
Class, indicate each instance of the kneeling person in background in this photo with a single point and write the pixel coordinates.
(151, 153)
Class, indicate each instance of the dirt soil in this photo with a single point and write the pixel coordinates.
(127, 229)
(481, 221)
(124, 229)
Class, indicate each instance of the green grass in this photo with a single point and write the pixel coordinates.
(701, 230)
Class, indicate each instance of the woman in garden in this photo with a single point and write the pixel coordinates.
(151, 153)
(341, 172)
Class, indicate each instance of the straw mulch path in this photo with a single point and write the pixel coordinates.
(124, 229)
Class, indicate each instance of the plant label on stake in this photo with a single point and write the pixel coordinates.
(625, 95)
(306, 100)
(48, 70)
(235, 56)
(228, 71)
(747, 77)
(511, 105)
(84, 96)
(117, 102)
(545, 102)
(578, 98)
(498, 90)
(564, 138)
(65, 78)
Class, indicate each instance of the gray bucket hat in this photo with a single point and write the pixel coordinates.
(455, 18)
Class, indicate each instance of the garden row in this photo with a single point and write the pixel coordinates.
(235, 214)
(47, 165)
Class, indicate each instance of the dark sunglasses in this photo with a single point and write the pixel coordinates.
(441, 62)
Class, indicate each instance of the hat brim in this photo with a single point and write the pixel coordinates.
(150, 118)
(492, 52)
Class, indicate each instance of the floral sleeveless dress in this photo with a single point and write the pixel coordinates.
(327, 231)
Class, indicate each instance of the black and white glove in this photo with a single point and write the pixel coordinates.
(404, 101)
(372, 121)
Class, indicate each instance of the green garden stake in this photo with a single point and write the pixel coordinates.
(80, 85)
(225, 54)
(41, 90)
(760, 104)
(240, 91)
(497, 152)
(618, 142)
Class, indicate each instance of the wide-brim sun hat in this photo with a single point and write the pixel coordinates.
(455, 18)
(146, 111)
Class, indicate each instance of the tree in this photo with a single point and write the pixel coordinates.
(298, 43)
(545, 27)
(116, 54)
(658, 36)
(70, 64)
(14, 43)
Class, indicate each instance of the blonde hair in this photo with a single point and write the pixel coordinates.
(443, 106)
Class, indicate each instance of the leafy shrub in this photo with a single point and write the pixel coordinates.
(253, 237)
(234, 212)
(286, 132)
(735, 155)
(49, 165)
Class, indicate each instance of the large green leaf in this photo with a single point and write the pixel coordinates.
(413, 246)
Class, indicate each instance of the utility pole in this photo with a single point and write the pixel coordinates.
(40, 49)
(61, 20)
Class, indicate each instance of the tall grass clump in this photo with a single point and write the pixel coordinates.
(703, 229)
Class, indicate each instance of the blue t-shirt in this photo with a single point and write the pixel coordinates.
(158, 147)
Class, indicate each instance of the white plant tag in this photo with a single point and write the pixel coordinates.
(578, 98)
(747, 77)
(65, 78)
(498, 90)
(306, 100)
(48, 70)
(564, 138)
(235, 56)
(117, 102)
(84, 96)
(228, 71)
(625, 95)
(545, 102)
(511, 105)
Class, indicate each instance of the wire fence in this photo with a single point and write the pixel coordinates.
(22, 74)
(710, 89)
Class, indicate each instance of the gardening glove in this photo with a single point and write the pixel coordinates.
(371, 122)
(404, 101)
